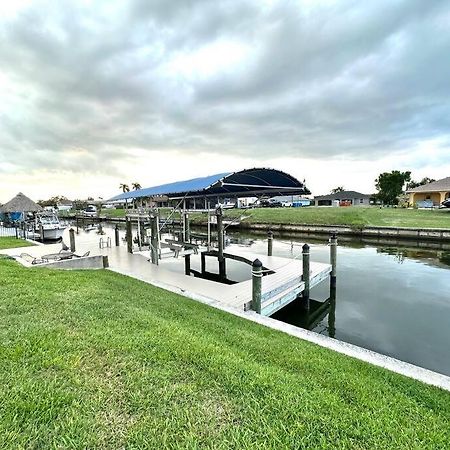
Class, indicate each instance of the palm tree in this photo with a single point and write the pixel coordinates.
(337, 190)
(136, 186)
(124, 187)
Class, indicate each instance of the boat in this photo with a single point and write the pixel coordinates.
(48, 226)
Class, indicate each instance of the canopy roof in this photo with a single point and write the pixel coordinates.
(20, 203)
(244, 183)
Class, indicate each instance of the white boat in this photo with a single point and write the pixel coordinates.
(48, 226)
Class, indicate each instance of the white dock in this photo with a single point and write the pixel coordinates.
(278, 289)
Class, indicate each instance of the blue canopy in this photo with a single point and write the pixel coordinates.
(243, 183)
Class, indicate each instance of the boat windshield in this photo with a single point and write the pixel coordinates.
(47, 220)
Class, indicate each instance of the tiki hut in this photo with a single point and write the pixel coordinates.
(20, 204)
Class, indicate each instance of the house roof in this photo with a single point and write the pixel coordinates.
(243, 183)
(342, 196)
(20, 203)
(434, 186)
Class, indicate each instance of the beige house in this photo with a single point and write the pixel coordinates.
(435, 192)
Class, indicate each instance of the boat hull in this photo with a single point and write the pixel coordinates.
(53, 234)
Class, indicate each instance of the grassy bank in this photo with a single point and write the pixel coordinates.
(12, 242)
(355, 217)
(97, 360)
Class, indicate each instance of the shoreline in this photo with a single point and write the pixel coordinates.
(375, 232)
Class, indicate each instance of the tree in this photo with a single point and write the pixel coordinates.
(124, 187)
(337, 190)
(390, 185)
(413, 184)
(136, 186)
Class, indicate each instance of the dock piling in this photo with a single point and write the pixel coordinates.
(154, 242)
(72, 239)
(269, 242)
(129, 234)
(220, 239)
(333, 259)
(116, 235)
(256, 285)
(187, 238)
(306, 274)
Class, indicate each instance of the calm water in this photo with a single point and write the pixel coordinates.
(391, 299)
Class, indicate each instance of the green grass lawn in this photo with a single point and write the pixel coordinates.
(93, 359)
(356, 216)
(12, 242)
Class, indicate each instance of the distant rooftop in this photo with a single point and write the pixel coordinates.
(434, 186)
(344, 195)
(243, 183)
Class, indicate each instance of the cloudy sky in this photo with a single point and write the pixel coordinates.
(95, 93)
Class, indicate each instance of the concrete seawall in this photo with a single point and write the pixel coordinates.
(417, 234)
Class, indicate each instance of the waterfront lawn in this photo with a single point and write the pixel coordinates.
(352, 216)
(12, 242)
(94, 359)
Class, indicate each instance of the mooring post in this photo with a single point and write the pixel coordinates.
(333, 258)
(17, 232)
(41, 232)
(306, 274)
(72, 239)
(129, 234)
(116, 235)
(154, 239)
(256, 285)
(269, 242)
(187, 229)
(220, 238)
(187, 238)
(203, 262)
(332, 313)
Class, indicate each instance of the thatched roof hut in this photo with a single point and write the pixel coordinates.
(20, 203)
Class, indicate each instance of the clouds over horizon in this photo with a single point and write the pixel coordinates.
(88, 85)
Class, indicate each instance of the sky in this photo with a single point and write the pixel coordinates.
(98, 93)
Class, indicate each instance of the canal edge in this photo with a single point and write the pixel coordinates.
(409, 370)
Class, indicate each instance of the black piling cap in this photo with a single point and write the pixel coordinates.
(333, 235)
(257, 263)
(270, 233)
(305, 248)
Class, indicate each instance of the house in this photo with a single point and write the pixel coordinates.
(344, 198)
(431, 194)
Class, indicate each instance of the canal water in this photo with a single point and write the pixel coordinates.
(393, 298)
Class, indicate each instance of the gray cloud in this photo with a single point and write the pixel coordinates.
(353, 79)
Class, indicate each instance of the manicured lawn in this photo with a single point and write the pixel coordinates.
(356, 216)
(93, 359)
(12, 242)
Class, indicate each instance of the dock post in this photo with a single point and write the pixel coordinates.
(203, 263)
(306, 274)
(269, 242)
(116, 235)
(333, 259)
(129, 236)
(41, 232)
(186, 238)
(220, 239)
(17, 232)
(154, 239)
(332, 313)
(256, 285)
(72, 239)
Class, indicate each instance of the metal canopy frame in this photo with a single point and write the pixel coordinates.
(245, 183)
